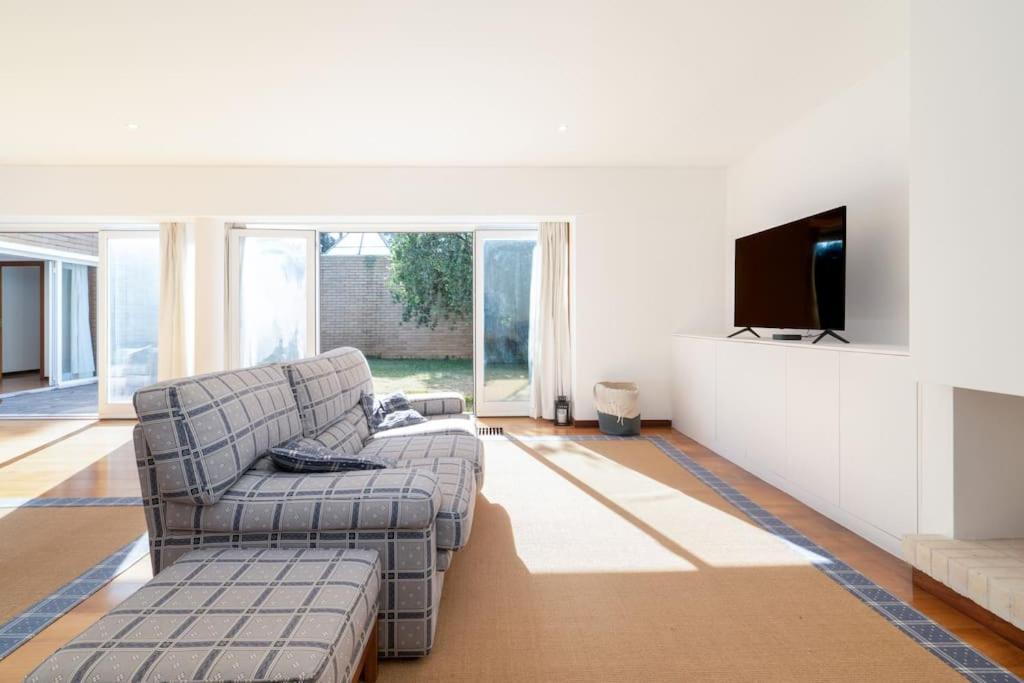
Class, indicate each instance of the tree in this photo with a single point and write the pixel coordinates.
(432, 276)
(328, 240)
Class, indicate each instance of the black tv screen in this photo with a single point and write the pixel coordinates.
(794, 276)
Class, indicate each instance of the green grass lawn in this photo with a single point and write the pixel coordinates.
(422, 375)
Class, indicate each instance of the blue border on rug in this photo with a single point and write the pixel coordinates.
(29, 623)
(970, 663)
(107, 501)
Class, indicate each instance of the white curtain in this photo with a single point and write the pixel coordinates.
(550, 342)
(176, 299)
(81, 363)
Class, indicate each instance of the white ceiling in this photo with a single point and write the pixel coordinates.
(442, 82)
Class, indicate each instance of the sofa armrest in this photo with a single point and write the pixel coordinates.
(262, 502)
(438, 403)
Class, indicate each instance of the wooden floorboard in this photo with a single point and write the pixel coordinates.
(968, 607)
(70, 466)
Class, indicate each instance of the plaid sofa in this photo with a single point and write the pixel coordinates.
(201, 446)
(264, 615)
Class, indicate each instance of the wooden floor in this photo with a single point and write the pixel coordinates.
(81, 458)
(21, 381)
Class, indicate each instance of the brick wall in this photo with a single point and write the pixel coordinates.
(356, 309)
(76, 242)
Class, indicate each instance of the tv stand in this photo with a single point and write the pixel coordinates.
(828, 333)
(745, 329)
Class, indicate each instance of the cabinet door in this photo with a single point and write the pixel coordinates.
(878, 442)
(693, 388)
(766, 408)
(812, 421)
(732, 361)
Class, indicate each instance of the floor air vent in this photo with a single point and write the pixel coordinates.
(490, 431)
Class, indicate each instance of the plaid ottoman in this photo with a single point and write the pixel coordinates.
(237, 615)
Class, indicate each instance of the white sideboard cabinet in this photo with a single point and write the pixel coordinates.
(834, 426)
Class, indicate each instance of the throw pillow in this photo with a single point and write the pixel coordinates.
(390, 403)
(401, 418)
(306, 456)
(378, 409)
(369, 405)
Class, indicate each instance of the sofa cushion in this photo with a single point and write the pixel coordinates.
(318, 393)
(458, 497)
(347, 434)
(398, 448)
(262, 615)
(205, 431)
(436, 426)
(305, 456)
(353, 373)
(438, 403)
(316, 503)
(354, 376)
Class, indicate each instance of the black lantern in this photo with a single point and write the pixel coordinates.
(561, 412)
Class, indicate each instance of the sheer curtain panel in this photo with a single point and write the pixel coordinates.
(550, 341)
(176, 302)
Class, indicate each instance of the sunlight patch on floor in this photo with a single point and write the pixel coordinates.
(20, 436)
(557, 528)
(585, 511)
(38, 473)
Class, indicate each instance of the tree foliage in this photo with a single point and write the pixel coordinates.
(328, 240)
(432, 276)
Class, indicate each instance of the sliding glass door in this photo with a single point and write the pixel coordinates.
(128, 320)
(76, 360)
(272, 296)
(502, 311)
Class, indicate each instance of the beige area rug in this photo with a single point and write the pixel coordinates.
(45, 548)
(607, 561)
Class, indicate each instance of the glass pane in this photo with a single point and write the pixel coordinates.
(133, 299)
(78, 322)
(272, 299)
(405, 299)
(508, 268)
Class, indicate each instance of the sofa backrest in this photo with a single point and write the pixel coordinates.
(318, 393)
(327, 389)
(204, 432)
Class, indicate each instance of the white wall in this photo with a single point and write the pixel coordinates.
(851, 150)
(989, 465)
(20, 318)
(935, 454)
(648, 242)
(967, 221)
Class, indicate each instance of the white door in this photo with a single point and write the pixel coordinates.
(128, 304)
(71, 338)
(272, 296)
(503, 273)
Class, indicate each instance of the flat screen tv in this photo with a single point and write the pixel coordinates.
(794, 276)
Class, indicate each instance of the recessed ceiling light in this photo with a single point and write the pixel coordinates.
(132, 126)
(564, 128)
